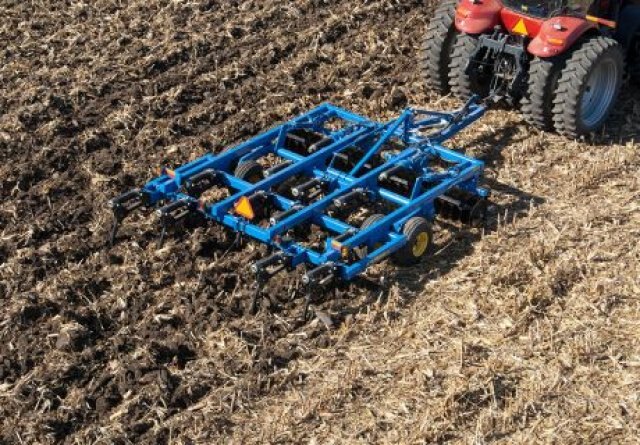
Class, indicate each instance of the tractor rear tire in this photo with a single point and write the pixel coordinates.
(419, 235)
(537, 104)
(438, 45)
(628, 34)
(463, 85)
(634, 60)
(588, 87)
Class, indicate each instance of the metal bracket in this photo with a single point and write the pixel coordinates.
(122, 206)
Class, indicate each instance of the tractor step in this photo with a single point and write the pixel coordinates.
(295, 175)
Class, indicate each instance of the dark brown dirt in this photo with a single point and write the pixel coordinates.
(135, 345)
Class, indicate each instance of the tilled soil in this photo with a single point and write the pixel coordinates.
(525, 332)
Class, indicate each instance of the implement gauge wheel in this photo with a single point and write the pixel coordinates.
(249, 171)
(371, 220)
(419, 235)
(588, 87)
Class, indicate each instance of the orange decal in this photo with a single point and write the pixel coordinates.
(244, 208)
(521, 28)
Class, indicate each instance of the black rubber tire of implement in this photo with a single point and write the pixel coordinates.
(463, 86)
(412, 229)
(566, 112)
(537, 104)
(438, 44)
(249, 171)
(371, 220)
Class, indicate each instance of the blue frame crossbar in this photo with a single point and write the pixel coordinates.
(297, 174)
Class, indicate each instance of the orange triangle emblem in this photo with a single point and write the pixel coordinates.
(521, 28)
(244, 208)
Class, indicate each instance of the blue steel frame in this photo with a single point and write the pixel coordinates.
(421, 133)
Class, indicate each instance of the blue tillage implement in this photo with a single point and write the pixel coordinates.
(314, 169)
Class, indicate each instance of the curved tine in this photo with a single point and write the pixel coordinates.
(163, 234)
(307, 304)
(253, 307)
(114, 232)
(236, 242)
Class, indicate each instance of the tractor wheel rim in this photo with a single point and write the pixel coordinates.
(422, 242)
(599, 92)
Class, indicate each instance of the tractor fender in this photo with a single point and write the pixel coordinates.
(628, 25)
(476, 17)
(559, 34)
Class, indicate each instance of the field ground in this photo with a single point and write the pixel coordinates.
(528, 332)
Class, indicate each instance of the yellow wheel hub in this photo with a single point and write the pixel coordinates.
(421, 244)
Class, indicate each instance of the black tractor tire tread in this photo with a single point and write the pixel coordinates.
(537, 104)
(634, 73)
(412, 228)
(461, 84)
(249, 169)
(634, 65)
(574, 75)
(436, 52)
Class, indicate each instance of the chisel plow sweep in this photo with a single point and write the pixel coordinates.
(330, 190)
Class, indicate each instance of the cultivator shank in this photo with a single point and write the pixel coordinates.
(304, 187)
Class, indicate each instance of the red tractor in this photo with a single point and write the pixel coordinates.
(562, 61)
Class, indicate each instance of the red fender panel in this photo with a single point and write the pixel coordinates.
(558, 34)
(478, 17)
